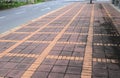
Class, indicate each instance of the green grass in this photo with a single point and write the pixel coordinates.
(6, 5)
(38, 1)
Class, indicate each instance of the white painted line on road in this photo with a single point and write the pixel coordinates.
(48, 8)
(20, 12)
(2, 17)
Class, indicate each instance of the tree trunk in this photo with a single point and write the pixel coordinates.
(90, 1)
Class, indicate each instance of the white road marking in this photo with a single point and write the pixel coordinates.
(20, 12)
(2, 17)
(48, 8)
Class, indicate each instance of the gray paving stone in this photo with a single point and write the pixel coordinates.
(71, 76)
(10, 65)
(113, 66)
(59, 69)
(62, 62)
(16, 50)
(69, 48)
(54, 52)
(74, 70)
(17, 59)
(56, 75)
(15, 74)
(57, 48)
(4, 72)
(44, 68)
(49, 61)
(2, 64)
(66, 53)
(22, 66)
(100, 73)
(6, 58)
(40, 75)
(99, 65)
(79, 49)
(114, 74)
(75, 63)
(27, 30)
(78, 54)
(28, 60)
(26, 51)
(98, 55)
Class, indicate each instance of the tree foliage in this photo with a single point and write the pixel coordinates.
(15, 3)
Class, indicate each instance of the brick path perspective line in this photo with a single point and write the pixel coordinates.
(87, 63)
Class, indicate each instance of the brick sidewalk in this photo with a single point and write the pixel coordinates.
(77, 41)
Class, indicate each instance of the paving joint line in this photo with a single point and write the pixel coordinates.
(38, 41)
(53, 33)
(33, 41)
(22, 55)
(104, 60)
(9, 40)
(64, 57)
(36, 33)
(116, 35)
(87, 63)
(60, 42)
(76, 33)
(46, 27)
(106, 44)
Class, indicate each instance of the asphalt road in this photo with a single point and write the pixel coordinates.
(17, 16)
